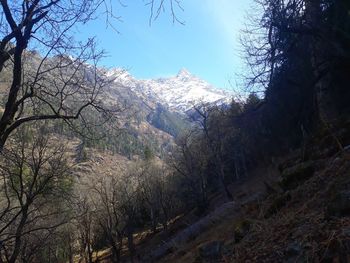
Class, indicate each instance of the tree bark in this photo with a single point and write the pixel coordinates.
(115, 258)
(222, 181)
(131, 246)
(18, 238)
(154, 221)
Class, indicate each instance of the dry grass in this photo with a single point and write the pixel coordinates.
(302, 220)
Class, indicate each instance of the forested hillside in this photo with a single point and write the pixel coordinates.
(97, 166)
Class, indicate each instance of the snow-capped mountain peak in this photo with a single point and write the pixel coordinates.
(184, 74)
(179, 93)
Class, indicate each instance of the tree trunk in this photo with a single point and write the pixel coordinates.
(10, 107)
(70, 250)
(18, 238)
(223, 184)
(115, 258)
(131, 246)
(153, 220)
(236, 161)
(165, 220)
(89, 251)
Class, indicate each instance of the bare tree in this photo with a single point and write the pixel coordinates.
(154, 190)
(146, 189)
(35, 188)
(128, 200)
(159, 6)
(48, 85)
(116, 206)
(56, 82)
(190, 162)
(214, 132)
(48, 246)
(109, 215)
(84, 222)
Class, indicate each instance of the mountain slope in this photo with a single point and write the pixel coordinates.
(295, 210)
(179, 93)
(156, 108)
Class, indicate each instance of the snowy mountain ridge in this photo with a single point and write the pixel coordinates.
(179, 93)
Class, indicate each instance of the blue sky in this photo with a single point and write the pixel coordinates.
(207, 45)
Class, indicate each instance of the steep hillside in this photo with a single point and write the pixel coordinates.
(150, 113)
(296, 210)
(155, 110)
